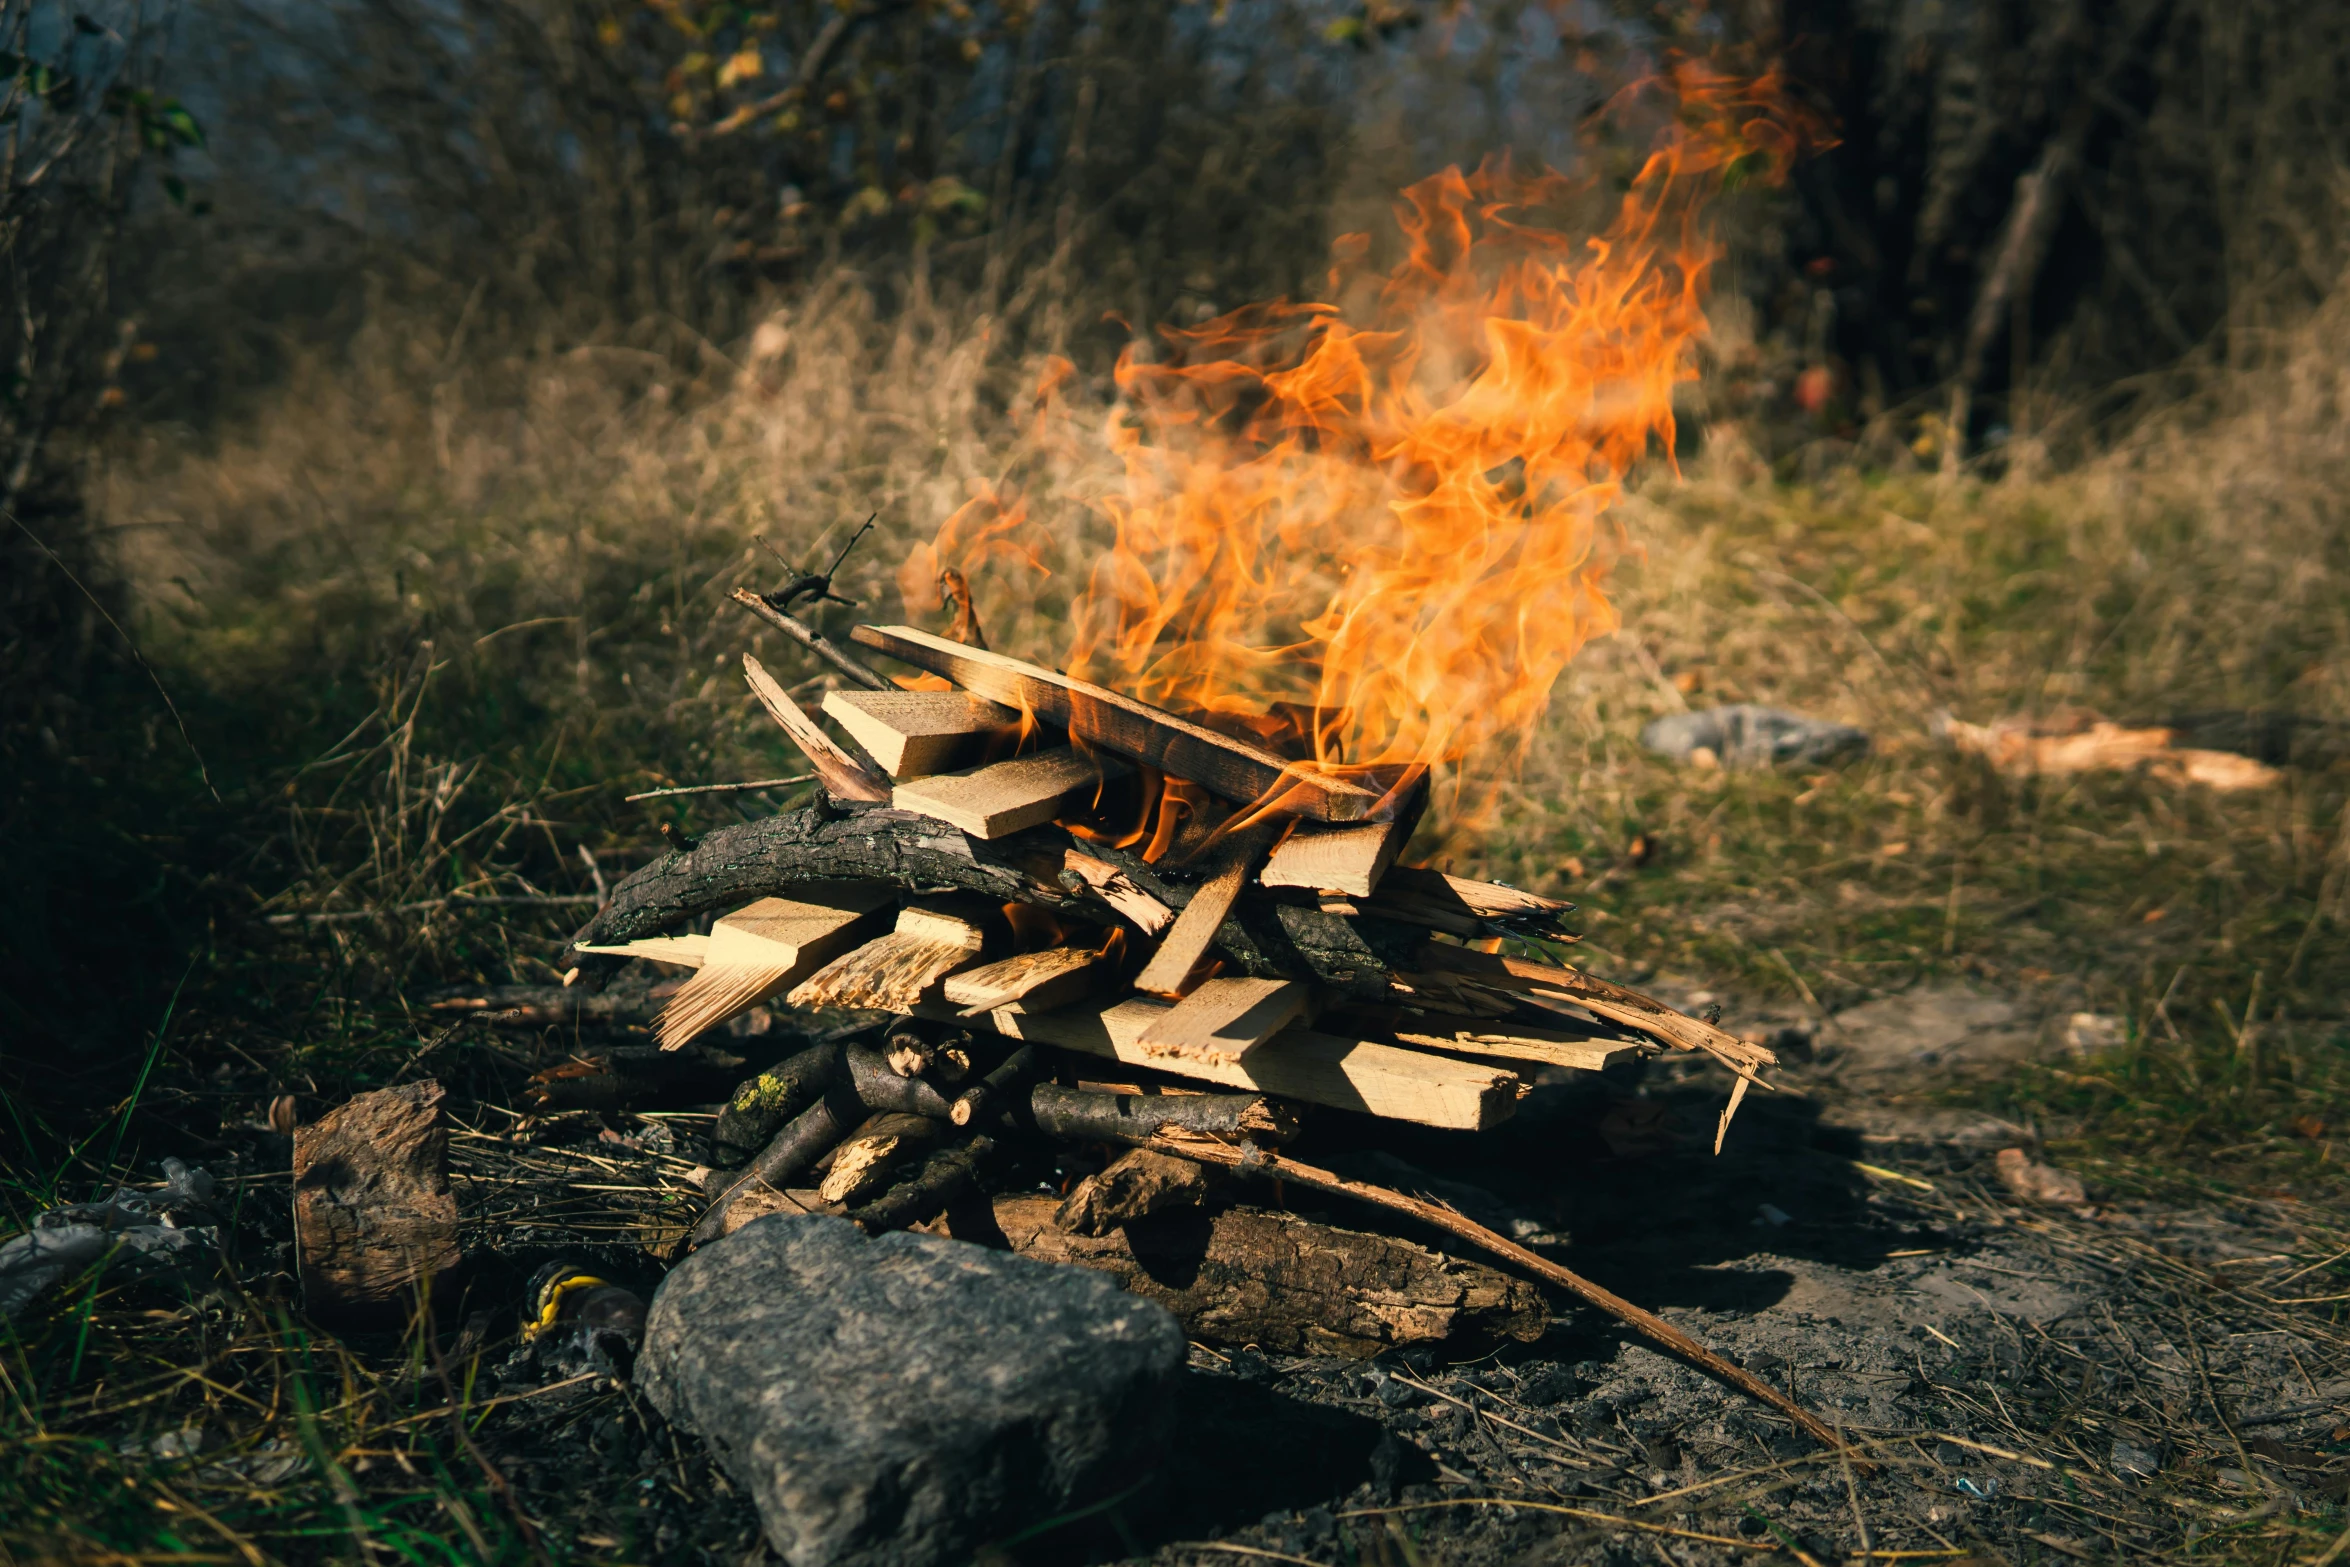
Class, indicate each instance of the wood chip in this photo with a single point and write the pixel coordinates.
(1117, 889)
(374, 1218)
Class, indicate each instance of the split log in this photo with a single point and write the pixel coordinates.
(915, 733)
(1521, 1042)
(928, 1190)
(899, 971)
(1083, 1115)
(1458, 906)
(1272, 1279)
(864, 1166)
(1201, 919)
(1348, 859)
(762, 1105)
(1135, 1185)
(374, 1219)
(684, 951)
(1345, 1074)
(1097, 716)
(1547, 981)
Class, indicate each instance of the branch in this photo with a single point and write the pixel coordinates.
(1276, 1167)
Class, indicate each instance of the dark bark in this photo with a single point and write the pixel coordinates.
(999, 1088)
(1137, 1118)
(1137, 1184)
(643, 1077)
(804, 1140)
(1271, 1279)
(763, 1104)
(735, 865)
(926, 1192)
(879, 1087)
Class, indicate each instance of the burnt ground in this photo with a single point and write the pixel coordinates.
(2020, 1382)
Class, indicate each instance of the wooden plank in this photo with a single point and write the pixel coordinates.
(1460, 896)
(842, 774)
(1003, 798)
(913, 734)
(893, 973)
(759, 949)
(1117, 889)
(1186, 941)
(1345, 1074)
(1224, 1019)
(1519, 1043)
(1036, 981)
(1136, 730)
(1348, 859)
(1547, 981)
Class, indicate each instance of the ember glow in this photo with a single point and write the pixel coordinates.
(1371, 531)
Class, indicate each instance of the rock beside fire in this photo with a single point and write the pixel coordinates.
(902, 1400)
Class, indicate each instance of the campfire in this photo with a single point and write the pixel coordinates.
(1079, 955)
(1162, 899)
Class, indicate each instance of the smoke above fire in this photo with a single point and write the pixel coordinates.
(1371, 530)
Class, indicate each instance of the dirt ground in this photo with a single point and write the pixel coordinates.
(2018, 1382)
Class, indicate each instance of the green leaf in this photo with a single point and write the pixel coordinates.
(181, 124)
(176, 188)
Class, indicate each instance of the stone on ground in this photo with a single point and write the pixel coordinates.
(903, 1400)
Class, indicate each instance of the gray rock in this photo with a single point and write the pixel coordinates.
(1744, 735)
(904, 1400)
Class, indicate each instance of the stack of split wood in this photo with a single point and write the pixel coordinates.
(1047, 916)
(1006, 851)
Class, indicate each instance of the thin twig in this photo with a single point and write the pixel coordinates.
(724, 788)
(814, 641)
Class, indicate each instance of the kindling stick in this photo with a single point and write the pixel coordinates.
(1253, 1161)
(814, 641)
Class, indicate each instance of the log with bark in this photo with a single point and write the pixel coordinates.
(1251, 1276)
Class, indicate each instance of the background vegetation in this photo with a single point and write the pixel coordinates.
(390, 426)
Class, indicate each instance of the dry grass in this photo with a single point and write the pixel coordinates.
(443, 613)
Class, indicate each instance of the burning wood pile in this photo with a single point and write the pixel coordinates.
(1058, 915)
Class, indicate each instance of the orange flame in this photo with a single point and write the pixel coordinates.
(1385, 520)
